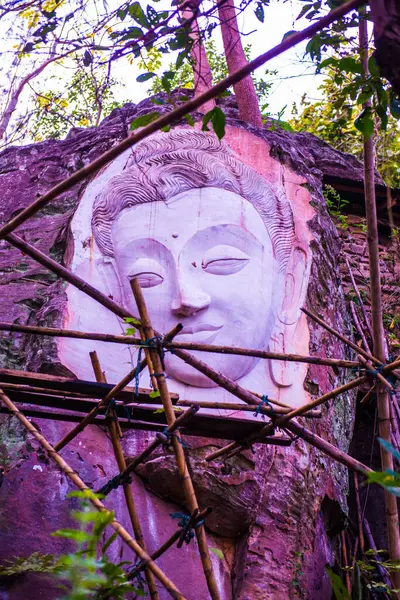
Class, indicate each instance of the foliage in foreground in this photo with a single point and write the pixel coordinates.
(87, 572)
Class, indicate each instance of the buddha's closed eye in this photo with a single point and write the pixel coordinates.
(148, 272)
(224, 260)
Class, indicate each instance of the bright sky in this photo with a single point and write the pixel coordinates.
(295, 76)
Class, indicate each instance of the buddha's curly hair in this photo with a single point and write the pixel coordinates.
(166, 164)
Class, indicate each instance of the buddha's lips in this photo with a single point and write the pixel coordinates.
(199, 333)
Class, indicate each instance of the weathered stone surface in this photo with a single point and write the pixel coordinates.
(270, 517)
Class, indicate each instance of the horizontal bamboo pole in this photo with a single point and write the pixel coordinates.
(74, 477)
(130, 340)
(103, 404)
(265, 410)
(178, 113)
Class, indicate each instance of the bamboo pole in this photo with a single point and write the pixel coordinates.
(170, 542)
(359, 514)
(283, 420)
(379, 342)
(345, 562)
(130, 340)
(358, 326)
(186, 480)
(175, 115)
(158, 441)
(264, 410)
(361, 303)
(341, 337)
(371, 542)
(119, 457)
(103, 404)
(364, 357)
(74, 477)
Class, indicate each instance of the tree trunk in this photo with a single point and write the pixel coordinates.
(245, 92)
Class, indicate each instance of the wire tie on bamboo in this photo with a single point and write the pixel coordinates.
(266, 403)
(389, 378)
(151, 343)
(169, 435)
(114, 484)
(187, 524)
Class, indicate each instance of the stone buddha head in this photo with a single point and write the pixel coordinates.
(212, 244)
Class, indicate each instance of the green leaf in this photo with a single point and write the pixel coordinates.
(108, 543)
(157, 101)
(365, 123)
(130, 331)
(132, 319)
(144, 120)
(218, 553)
(154, 394)
(166, 128)
(73, 534)
(121, 14)
(217, 118)
(137, 14)
(304, 11)
(338, 587)
(159, 411)
(145, 77)
(87, 58)
(189, 120)
(373, 67)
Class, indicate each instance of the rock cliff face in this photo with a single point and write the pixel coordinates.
(277, 511)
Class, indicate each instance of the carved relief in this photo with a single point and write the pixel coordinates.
(215, 247)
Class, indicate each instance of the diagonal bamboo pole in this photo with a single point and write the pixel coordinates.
(103, 404)
(74, 477)
(379, 342)
(130, 340)
(159, 440)
(178, 113)
(284, 421)
(186, 480)
(120, 458)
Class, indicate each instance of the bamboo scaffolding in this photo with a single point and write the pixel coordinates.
(345, 561)
(283, 420)
(371, 542)
(342, 338)
(130, 340)
(263, 410)
(186, 480)
(103, 404)
(365, 357)
(120, 458)
(175, 115)
(359, 514)
(194, 519)
(360, 301)
(379, 341)
(359, 327)
(74, 477)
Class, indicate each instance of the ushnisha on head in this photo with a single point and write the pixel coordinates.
(209, 240)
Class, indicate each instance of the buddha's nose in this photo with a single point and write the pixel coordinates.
(189, 300)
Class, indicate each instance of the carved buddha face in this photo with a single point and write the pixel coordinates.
(209, 240)
(203, 258)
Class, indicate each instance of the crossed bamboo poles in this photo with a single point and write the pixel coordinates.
(235, 389)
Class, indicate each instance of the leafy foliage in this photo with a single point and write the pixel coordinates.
(85, 573)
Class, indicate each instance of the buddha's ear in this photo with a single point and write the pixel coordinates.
(297, 275)
(108, 273)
